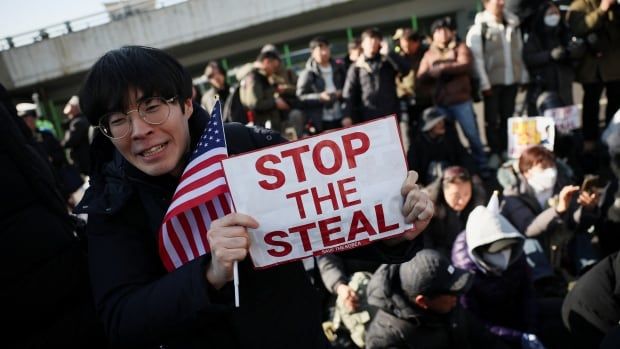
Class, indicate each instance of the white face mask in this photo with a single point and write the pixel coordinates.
(499, 260)
(543, 180)
(552, 20)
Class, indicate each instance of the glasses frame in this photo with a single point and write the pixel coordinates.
(140, 114)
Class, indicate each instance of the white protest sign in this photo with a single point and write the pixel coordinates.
(566, 118)
(524, 132)
(329, 193)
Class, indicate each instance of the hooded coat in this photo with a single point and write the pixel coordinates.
(503, 300)
(142, 305)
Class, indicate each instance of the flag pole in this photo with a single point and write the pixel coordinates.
(236, 263)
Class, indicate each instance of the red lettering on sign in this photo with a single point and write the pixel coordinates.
(366, 227)
(286, 247)
(330, 196)
(303, 234)
(295, 154)
(351, 152)
(326, 231)
(344, 192)
(383, 227)
(260, 167)
(318, 160)
(300, 205)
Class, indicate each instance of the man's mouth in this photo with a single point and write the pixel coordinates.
(153, 150)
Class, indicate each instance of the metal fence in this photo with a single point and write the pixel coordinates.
(115, 12)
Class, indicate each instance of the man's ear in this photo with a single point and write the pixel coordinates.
(189, 108)
(421, 301)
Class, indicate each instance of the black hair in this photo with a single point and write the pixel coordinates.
(372, 33)
(268, 55)
(214, 65)
(318, 41)
(149, 70)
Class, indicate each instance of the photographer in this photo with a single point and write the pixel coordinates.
(598, 23)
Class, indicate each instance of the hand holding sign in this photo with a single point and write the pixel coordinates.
(326, 194)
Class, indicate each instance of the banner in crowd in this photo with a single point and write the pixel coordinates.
(329, 193)
(566, 118)
(524, 132)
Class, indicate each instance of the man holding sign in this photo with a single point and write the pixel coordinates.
(146, 94)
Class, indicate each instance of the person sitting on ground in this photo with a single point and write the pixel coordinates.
(501, 295)
(455, 195)
(437, 147)
(418, 307)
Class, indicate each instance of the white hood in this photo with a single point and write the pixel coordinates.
(485, 226)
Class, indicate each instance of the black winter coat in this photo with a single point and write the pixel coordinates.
(45, 295)
(77, 141)
(144, 306)
(370, 87)
(310, 85)
(399, 324)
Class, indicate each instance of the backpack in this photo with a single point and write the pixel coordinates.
(234, 111)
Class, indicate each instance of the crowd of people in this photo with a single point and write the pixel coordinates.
(513, 252)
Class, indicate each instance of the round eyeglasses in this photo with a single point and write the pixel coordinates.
(153, 110)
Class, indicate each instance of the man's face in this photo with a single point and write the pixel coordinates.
(31, 122)
(438, 130)
(441, 304)
(409, 46)
(371, 46)
(495, 7)
(443, 35)
(321, 54)
(270, 66)
(156, 149)
(216, 79)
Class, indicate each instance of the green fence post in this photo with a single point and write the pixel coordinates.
(350, 35)
(55, 118)
(414, 22)
(287, 56)
(225, 66)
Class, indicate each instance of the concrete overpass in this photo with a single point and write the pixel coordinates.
(198, 30)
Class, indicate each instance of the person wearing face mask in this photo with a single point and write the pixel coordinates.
(538, 202)
(455, 194)
(548, 56)
(501, 295)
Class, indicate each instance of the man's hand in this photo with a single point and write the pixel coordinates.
(281, 104)
(347, 121)
(229, 242)
(418, 207)
(325, 97)
(606, 4)
(588, 201)
(566, 195)
(348, 297)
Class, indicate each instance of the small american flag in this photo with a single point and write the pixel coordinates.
(201, 197)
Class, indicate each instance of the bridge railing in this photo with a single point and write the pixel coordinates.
(119, 12)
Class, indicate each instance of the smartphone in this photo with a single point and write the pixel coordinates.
(592, 182)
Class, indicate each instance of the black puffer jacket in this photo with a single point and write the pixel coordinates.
(143, 306)
(370, 88)
(399, 324)
(45, 295)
